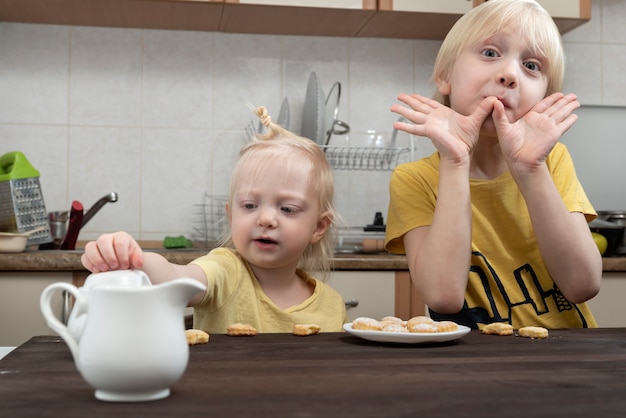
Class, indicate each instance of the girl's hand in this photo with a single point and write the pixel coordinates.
(118, 251)
(527, 142)
(453, 134)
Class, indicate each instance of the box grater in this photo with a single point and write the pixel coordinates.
(21, 202)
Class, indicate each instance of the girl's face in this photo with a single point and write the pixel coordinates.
(502, 66)
(275, 213)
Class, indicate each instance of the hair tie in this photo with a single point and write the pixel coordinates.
(265, 119)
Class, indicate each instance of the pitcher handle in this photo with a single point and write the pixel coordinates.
(45, 304)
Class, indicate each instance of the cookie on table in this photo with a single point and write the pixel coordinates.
(498, 328)
(196, 336)
(306, 329)
(240, 330)
(533, 332)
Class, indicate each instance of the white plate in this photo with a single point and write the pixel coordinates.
(407, 337)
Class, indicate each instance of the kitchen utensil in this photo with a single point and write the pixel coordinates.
(58, 226)
(313, 112)
(15, 242)
(127, 278)
(333, 126)
(320, 113)
(21, 201)
(75, 223)
(132, 345)
(394, 134)
(614, 234)
(615, 217)
(283, 115)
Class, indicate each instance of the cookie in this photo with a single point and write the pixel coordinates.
(306, 329)
(394, 327)
(533, 332)
(498, 328)
(446, 326)
(240, 330)
(367, 324)
(421, 328)
(196, 336)
(392, 319)
(420, 319)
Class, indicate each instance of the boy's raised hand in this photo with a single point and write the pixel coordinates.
(527, 142)
(454, 135)
(117, 251)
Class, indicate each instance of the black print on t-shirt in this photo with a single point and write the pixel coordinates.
(533, 294)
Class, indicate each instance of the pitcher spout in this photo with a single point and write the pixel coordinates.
(180, 291)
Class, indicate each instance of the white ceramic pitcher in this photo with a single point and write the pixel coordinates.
(128, 278)
(132, 345)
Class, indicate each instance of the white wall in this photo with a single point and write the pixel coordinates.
(597, 143)
(158, 116)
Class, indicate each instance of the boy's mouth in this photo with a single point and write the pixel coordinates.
(503, 101)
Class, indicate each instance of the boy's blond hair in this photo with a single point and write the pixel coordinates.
(279, 148)
(532, 22)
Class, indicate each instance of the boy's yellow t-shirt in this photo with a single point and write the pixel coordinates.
(508, 280)
(235, 296)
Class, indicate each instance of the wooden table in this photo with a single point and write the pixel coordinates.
(572, 373)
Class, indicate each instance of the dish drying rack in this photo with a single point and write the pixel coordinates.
(209, 220)
(369, 158)
(363, 158)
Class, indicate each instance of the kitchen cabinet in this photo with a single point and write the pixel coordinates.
(424, 19)
(376, 294)
(608, 306)
(20, 315)
(567, 15)
(299, 17)
(202, 15)
(413, 19)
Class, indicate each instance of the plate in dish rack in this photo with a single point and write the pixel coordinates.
(407, 337)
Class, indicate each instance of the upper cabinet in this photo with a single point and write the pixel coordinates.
(201, 15)
(297, 17)
(568, 14)
(414, 19)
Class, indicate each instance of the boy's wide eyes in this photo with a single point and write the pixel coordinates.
(532, 66)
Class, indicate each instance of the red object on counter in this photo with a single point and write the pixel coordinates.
(75, 223)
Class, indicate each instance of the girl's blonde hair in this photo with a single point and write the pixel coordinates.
(532, 22)
(275, 149)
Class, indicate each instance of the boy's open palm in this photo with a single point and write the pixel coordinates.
(527, 142)
(454, 135)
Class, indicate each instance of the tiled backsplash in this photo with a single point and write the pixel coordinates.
(158, 116)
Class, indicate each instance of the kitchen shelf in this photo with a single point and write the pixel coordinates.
(364, 158)
(378, 19)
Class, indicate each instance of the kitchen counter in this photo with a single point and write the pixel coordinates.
(573, 373)
(70, 260)
(54, 260)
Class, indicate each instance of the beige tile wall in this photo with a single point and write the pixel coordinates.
(158, 116)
